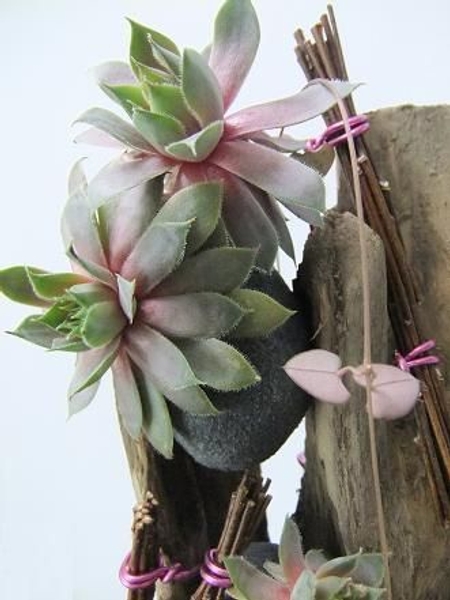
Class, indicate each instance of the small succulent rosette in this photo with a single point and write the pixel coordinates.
(150, 297)
(178, 124)
(310, 576)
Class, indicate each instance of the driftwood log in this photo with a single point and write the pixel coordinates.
(410, 149)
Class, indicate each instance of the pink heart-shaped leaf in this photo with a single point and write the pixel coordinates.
(316, 371)
(394, 392)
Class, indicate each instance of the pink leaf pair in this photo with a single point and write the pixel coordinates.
(393, 391)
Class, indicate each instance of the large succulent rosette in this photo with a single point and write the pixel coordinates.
(177, 105)
(150, 297)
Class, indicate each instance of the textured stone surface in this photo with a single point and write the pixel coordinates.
(255, 422)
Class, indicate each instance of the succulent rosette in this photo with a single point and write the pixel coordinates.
(150, 296)
(310, 576)
(178, 106)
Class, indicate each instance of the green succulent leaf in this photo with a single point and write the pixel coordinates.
(126, 296)
(264, 313)
(87, 294)
(167, 99)
(127, 96)
(253, 584)
(304, 589)
(236, 40)
(200, 315)
(15, 284)
(342, 566)
(102, 323)
(202, 202)
(50, 286)
(369, 570)
(92, 268)
(33, 330)
(201, 88)
(115, 127)
(141, 49)
(158, 130)
(279, 221)
(158, 252)
(127, 395)
(328, 588)
(150, 75)
(218, 238)
(198, 146)
(157, 424)
(290, 552)
(219, 270)
(274, 570)
(193, 400)
(219, 365)
(169, 61)
(160, 359)
(90, 367)
(68, 345)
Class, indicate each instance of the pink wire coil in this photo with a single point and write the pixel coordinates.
(175, 572)
(335, 134)
(212, 573)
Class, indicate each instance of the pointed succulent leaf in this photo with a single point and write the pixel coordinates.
(342, 566)
(201, 88)
(141, 44)
(301, 189)
(79, 229)
(116, 127)
(235, 43)
(316, 371)
(167, 99)
(253, 584)
(198, 146)
(87, 294)
(90, 367)
(123, 220)
(126, 96)
(248, 224)
(92, 268)
(157, 424)
(274, 570)
(150, 75)
(16, 285)
(64, 344)
(201, 315)
(216, 270)
(312, 101)
(77, 179)
(321, 161)
(114, 72)
(202, 202)
(394, 392)
(304, 588)
(160, 359)
(33, 330)
(169, 61)
(219, 365)
(218, 238)
(127, 395)
(50, 286)
(369, 570)
(156, 255)
(282, 142)
(291, 552)
(331, 587)
(159, 130)
(102, 323)
(314, 559)
(127, 300)
(193, 400)
(264, 313)
(278, 220)
(125, 173)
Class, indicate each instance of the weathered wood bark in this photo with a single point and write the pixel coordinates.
(410, 149)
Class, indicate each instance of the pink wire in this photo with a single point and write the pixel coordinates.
(413, 358)
(335, 133)
(166, 574)
(212, 573)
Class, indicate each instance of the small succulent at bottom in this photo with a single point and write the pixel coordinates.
(148, 298)
(307, 576)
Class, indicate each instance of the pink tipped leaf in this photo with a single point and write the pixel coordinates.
(235, 43)
(253, 584)
(305, 587)
(281, 176)
(198, 146)
(127, 395)
(290, 552)
(316, 371)
(394, 392)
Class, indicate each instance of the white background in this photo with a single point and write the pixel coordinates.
(65, 496)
